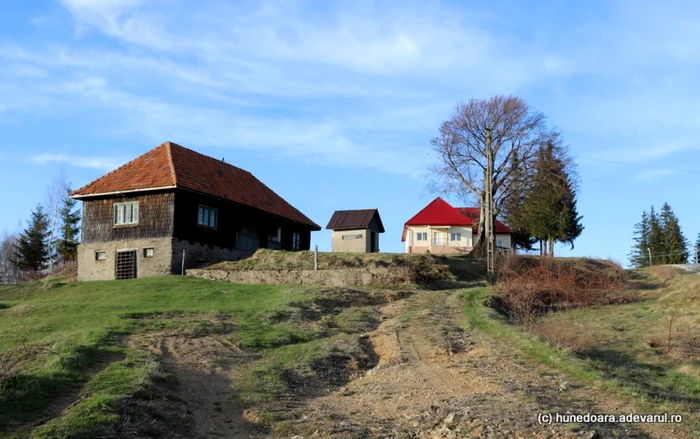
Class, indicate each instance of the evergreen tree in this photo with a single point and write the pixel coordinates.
(549, 210)
(675, 246)
(67, 245)
(32, 249)
(639, 256)
(656, 243)
(697, 249)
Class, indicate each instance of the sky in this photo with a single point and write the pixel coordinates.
(333, 104)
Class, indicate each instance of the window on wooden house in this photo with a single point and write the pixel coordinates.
(422, 236)
(296, 241)
(126, 213)
(208, 216)
(455, 236)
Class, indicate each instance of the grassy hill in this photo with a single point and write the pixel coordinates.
(122, 358)
(66, 368)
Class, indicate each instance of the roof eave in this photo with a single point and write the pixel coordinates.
(102, 194)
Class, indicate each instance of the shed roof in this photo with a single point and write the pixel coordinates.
(170, 166)
(355, 219)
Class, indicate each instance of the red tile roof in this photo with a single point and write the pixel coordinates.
(440, 213)
(354, 219)
(173, 166)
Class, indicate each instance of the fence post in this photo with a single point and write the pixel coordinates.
(183, 261)
(316, 257)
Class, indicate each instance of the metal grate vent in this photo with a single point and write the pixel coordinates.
(126, 265)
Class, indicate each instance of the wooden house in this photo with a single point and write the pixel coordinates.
(355, 230)
(144, 217)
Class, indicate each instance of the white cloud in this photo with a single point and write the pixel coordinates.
(102, 163)
(654, 174)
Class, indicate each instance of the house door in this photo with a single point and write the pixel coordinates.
(374, 243)
(125, 266)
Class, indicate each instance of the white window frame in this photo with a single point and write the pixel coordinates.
(99, 253)
(457, 235)
(212, 215)
(421, 236)
(296, 241)
(120, 213)
(148, 250)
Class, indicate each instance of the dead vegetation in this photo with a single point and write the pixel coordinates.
(532, 287)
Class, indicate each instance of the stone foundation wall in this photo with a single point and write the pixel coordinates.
(336, 278)
(196, 254)
(91, 269)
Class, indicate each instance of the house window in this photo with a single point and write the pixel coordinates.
(207, 217)
(126, 213)
(148, 252)
(101, 255)
(296, 241)
(499, 243)
(455, 236)
(422, 236)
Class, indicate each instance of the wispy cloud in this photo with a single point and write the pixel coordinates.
(101, 163)
(654, 174)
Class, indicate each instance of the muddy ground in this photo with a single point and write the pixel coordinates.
(430, 377)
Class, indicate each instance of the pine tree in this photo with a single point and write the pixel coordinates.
(549, 210)
(656, 244)
(32, 250)
(697, 249)
(639, 256)
(675, 246)
(67, 245)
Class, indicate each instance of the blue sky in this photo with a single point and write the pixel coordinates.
(333, 104)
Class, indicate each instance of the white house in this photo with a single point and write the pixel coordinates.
(441, 228)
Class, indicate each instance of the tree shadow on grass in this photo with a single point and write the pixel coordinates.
(28, 400)
(643, 377)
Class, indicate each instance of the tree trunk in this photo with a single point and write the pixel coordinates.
(551, 247)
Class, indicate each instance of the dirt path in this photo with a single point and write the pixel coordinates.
(434, 380)
(203, 382)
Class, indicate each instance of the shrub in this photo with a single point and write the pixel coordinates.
(531, 287)
(578, 338)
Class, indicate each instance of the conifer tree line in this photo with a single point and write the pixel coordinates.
(545, 212)
(50, 237)
(658, 239)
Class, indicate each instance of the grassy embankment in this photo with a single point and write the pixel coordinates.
(628, 353)
(75, 369)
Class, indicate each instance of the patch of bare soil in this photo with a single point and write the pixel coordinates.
(435, 380)
(202, 385)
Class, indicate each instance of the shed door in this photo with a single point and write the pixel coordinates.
(125, 267)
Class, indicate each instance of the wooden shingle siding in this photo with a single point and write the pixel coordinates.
(156, 217)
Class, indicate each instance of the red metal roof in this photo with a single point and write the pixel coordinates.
(171, 165)
(354, 219)
(441, 213)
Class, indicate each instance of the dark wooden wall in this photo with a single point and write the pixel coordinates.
(175, 213)
(232, 218)
(156, 213)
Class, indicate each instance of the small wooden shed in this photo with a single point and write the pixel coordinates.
(356, 231)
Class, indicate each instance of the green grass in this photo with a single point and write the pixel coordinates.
(80, 328)
(622, 363)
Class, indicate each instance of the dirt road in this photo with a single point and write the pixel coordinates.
(434, 378)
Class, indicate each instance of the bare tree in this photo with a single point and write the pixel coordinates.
(9, 273)
(494, 141)
(57, 193)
